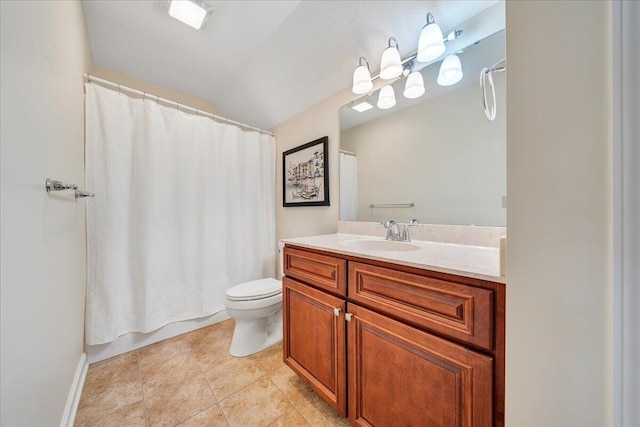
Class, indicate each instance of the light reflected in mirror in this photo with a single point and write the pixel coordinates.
(438, 152)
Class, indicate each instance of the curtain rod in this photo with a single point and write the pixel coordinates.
(178, 106)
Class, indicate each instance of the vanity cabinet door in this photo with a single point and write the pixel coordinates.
(314, 340)
(402, 376)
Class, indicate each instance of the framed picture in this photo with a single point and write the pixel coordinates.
(305, 174)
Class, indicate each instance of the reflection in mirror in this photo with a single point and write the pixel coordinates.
(436, 158)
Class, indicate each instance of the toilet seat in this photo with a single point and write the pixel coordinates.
(255, 290)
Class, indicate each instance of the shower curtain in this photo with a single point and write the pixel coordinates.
(184, 209)
(348, 187)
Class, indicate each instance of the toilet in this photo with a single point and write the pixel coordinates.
(256, 307)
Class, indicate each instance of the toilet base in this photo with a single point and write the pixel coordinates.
(252, 336)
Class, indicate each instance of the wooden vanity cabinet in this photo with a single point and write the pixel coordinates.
(402, 346)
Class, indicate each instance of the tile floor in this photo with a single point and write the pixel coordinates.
(192, 380)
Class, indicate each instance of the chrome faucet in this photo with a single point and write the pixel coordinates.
(393, 231)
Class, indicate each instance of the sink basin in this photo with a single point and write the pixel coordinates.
(379, 245)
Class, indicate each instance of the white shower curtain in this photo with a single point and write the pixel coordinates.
(348, 187)
(184, 209)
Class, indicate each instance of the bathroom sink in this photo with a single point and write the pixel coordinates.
(379, 245)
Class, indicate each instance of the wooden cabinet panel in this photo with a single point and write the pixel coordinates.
(314, 340)
(326, 272)
(401, 376)
(463, 312)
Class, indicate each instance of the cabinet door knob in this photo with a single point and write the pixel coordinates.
(348, 317)
(336, 312)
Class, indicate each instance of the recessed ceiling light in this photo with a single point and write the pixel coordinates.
(362, 107)
(191, 12)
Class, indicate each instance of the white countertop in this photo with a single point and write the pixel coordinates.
(478, 262)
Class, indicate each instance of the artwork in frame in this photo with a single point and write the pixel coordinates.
(305, 174)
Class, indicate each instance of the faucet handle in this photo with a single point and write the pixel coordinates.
(388, 223)
(414, 222)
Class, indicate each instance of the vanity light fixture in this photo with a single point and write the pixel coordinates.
(362, 78)
(386, 98)
(390, 64)
(361, 107)
(430, 43)
(450, 71)
(192, 12)
(414, 86)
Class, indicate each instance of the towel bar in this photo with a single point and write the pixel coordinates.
(53, 185)
(392, 205)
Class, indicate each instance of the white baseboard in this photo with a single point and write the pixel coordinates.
(135, 340)
(73, 400)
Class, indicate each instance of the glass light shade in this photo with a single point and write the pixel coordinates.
(188, 12)
(390, 65)
(450, 71)
(430, 44)
(361, 80)
(386, 98)
(414, 87)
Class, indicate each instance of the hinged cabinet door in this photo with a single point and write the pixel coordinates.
(402, 376)
(314, 340)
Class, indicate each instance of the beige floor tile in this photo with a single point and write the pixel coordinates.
(257, 405)
(291, 385)
(232, 376)
(210, 333)
(212, 354)
(229, 323)
(320, 414)
(163, 350)
(102, 375)
(131, 415)
(270, 359)
(169, 372)
(212, 417)
(169, 406)
(110, 386)
(292, 418)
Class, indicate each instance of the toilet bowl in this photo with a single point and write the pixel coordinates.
(256, 307)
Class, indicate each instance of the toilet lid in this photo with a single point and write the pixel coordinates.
(256, 289)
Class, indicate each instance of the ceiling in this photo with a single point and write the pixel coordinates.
(260, 62)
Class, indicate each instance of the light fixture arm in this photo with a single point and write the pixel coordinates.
(362, 58)
(391, 39)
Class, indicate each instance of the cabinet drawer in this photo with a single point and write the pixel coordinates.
(323, 271)
(462, 312)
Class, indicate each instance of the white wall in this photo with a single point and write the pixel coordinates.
(443, 155)
(318, 121)
(44, 53)
(154, 89)
(558, 180)
(626, 161)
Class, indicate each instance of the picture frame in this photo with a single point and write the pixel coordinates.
(305, 174)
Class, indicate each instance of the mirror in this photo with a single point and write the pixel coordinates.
(436, 158)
